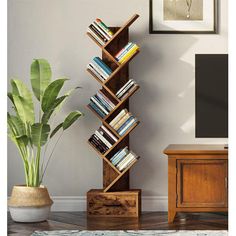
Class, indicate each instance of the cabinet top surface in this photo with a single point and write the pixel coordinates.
(195, 149)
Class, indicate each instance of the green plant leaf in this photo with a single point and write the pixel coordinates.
(51, 93)
(40, 133)
(56, 129)
(20, 89)
(70, 119)
(23, 140)
(40, 77)
(9, 95)
(16, 125)
(23, 109)
(46, 116)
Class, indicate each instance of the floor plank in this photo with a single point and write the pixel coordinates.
(148, 221)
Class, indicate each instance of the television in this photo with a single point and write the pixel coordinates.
(211, 95)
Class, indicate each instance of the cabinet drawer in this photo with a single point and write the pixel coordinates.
(202, 183)
(126, 204)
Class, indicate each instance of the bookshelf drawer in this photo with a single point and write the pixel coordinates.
(114, 204)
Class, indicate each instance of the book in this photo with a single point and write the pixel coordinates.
(96, 138)
(109, 133)
(122, 50)
(106, 99)
(127, 87)
(99, 105)
(99, 135)
(98, 144)
(93, 28)
(120, 156)
(130, 124)
(96, 109)
(96, 38)
(127, 164)
(95, 73)
(129, 92)
(122, 121)
(115, 155)
(102, 65)
(124, 86)
(126, 51)
(125, 123)
(129, 54)
(106, 136)
(118, 117)
(128, 157)
(103, 30)
(99, 21)
(100, 31)
(103, 103)
(99, 69)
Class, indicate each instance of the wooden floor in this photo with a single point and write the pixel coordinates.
(148, 221)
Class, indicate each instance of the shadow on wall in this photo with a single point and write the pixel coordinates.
(167, 88)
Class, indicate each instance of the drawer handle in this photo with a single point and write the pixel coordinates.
(112, 204)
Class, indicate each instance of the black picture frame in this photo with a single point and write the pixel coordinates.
(151, 31)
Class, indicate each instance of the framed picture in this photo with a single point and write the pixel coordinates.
(183, 17)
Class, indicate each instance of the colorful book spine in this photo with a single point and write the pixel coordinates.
(133, 121)
(99, 105)
(126, 51)
(100, 41)
(106, 99)
(123, 50)
(96, 109)
(102, 65)
(116, 154)
(118, 117)
(127, 121)
(129, 54)
(109, 145)
(127, 164)
(120, 156)
(125, 159)
(99, 21)
(99, 76)
(101, 31)
(92, 27)
(122, 121)
(103, 103)
(109, 133)
(99, 69)
(126, 89)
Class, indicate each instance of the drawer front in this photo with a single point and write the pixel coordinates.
(202, 183)
(113, 205)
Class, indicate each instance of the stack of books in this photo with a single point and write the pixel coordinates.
(123, 158)
(100, 32)
(123, 121)
(101, 104)
(99, 69)
(102, 139)
(127, 52)
(128, 88)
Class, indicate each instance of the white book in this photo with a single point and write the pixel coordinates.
(100, 106)
(129, 91)
(109, 133)
(125, 159)
(123, 86)
(99, 69)
(90, 67)
(128, 159)
(100, 31)
(132, 121)
(118, 117)
(127, 164)
(103, 139)
(95, 37)
(127, 88)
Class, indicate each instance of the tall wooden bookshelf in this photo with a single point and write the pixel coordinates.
(115, 199)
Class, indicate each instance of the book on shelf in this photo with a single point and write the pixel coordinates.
(124, 89)
(102, 139)
(126, 94)
(100, 32)
(102, 65)
(120, 155)
(95, 73)
(101, 95)
(127, 52)
(101, 107)
(96, 109)
(123, 121)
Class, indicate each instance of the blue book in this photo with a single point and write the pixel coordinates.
(103, 102)
(126, 122)
(100, 63)
(115, 155)
(96, 109)
(120, 156)
(127, 127)
(95, 97)
(126, 50)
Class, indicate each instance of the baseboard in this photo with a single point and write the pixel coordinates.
(70, 203)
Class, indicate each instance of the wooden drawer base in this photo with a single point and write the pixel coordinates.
(114, 204)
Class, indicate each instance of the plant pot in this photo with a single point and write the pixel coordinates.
(29, 204)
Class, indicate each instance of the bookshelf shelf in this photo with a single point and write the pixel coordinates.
(115, 178)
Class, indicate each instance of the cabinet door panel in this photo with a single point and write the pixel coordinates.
(202, 183)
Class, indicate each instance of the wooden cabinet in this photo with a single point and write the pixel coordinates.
(197, 179)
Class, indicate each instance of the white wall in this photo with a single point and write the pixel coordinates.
(55, 30)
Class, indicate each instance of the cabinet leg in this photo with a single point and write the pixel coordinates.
(171, 216)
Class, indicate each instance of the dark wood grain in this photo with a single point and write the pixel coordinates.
(147, 221)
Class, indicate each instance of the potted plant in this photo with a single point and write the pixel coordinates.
(31, 132)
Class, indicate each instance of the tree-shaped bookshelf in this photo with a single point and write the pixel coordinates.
(115, 199)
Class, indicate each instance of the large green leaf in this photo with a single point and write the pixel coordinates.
(56, 129)
(40, 77)
(20, 89)
(16, 125)
(51, 93)
(24, 109)
(70, 119)
(40, 133)
(46, 116)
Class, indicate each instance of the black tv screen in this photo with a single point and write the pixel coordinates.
(211, 95)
